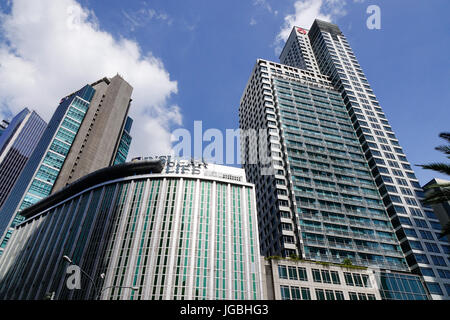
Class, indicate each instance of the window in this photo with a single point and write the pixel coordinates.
(295, 293)
(421, 258)
(306, 295)
(326, 276)
(434, 288)
(316, 275)
(329, 294)
(405, 221)
(353, 296)
(421, 223)
(427, 235)
(410, 232)
(357, 279)
(435, 225)
(302, 274)
(320, 295)
(348, 279)
(285, 293)
(339, 295)
(416, 245)
(362, 296)
(335, 277)
(282, 272)
(427, 272)
(444, 274)
(439, 261)
(415, 212)
(432, 247)
(293, 273)
(366, 281)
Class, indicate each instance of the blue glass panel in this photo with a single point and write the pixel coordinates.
(47, 174)
(65, 135)
(75, 114)
(54, 160)
(60, 147)
(71, 124)
(40, 188)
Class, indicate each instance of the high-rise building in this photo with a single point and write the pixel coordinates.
(83, 136)
(105, 129)
(342, 187)
(182, 230)
(414, 223)
(17, 143)
(321, 202)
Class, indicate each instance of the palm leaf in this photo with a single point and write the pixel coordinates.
(445, 136)
(438, 166)
(444, 149)
(446, 230)
(437, 196)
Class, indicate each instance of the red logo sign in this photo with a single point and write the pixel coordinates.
(303, 31)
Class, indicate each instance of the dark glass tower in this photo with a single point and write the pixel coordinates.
(17, 143)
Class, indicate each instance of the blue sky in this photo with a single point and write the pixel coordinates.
(208, 49)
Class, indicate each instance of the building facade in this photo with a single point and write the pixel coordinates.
(17, 143)
(416, 226)
(321, 202)
(288, 279)
(341, 185)
(185, 230)
(124, 143)
(82, 136)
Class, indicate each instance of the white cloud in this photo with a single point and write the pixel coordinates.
(306, 11)
(52, 48)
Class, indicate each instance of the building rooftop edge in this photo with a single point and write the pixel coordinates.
(92, 179)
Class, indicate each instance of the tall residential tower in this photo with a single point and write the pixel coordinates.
(342, 188)
(17, 143)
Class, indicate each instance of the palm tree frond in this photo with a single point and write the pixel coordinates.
(445, 136)
(437, 195)
(446, 230)
(438, 166)
(444, 149)
(437, 185)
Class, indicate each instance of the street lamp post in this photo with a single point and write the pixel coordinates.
(96, 291)
(110, 287)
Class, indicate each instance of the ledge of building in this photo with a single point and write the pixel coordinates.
(92, 179)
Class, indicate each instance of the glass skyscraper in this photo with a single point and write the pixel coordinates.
(81, 137)
(16, 145)
(124, 143)
(342, 187)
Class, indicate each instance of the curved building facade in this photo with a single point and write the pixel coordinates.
(140, 230)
